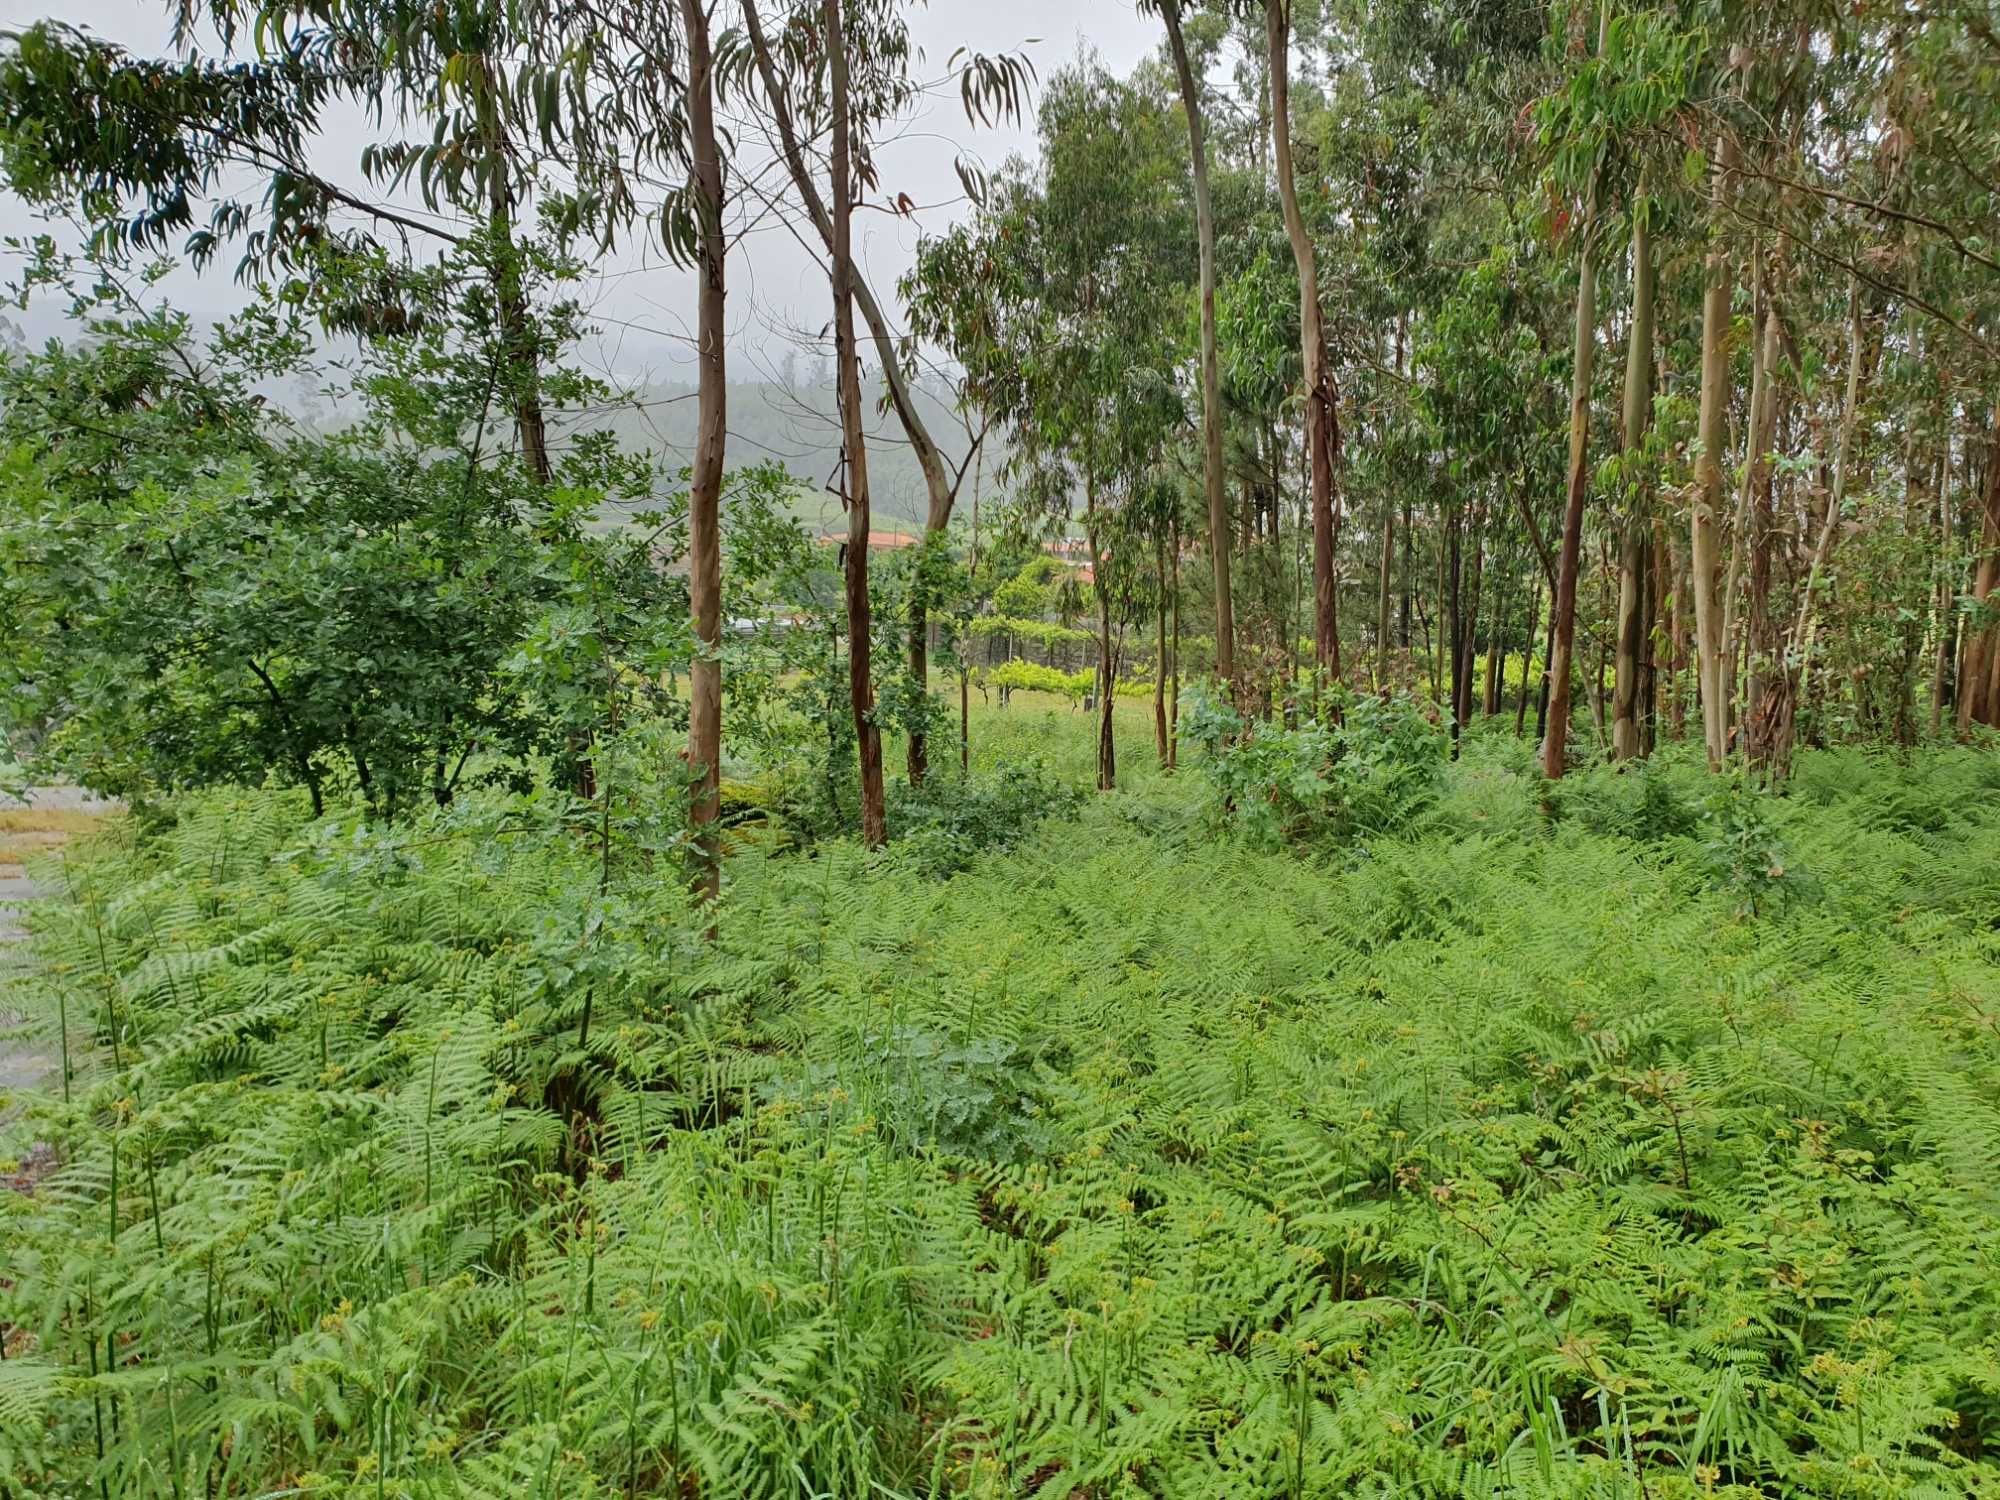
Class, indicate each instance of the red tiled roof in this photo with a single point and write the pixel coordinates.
(878, 541)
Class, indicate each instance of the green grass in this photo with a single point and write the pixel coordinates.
(1507, 1158)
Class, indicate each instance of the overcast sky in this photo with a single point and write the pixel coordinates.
(776, 288)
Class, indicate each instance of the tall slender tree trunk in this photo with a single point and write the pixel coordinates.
(1528, 656)
(1107, 668)
(1946, 616)
(705, 479)
(1385, 591)
(1174, 685)
(860, 685)
(1705, 557)
(1796, 676)
(1979, 660)
(1738, 646)
(1322, 421)
(1680, 598)
(965, 651)
(1475, 598)
(940, 484)
(1389, 533)
(1563, 619)
(1160, 663)
(524, 364)
(1211, 359)
(1453, 623)
(1496, 646)
(1635, 624)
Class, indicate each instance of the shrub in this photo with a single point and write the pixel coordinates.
(1745, 855)
(1375, 771)
(1032, 677)
(942, 825)
(253, 602)
(1638, 800)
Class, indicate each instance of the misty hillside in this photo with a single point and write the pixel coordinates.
(797, 426)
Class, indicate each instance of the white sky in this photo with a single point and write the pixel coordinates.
(643, 305)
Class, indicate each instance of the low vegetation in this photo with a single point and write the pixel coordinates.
(1539, 1146)
(1331, 832)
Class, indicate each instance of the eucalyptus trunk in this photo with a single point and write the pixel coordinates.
(1211, 359)
(1737, 643)
(940, 484)
(1563, 621)
(1979, 661)
(1107, 667)
(1528, 656)
(1705, 551)
(1322, 429)
(1385, 586)
(1160, 663)
(1796, 676)
(524, 373)
(704, 747)
(860, 685)
(1635, 622)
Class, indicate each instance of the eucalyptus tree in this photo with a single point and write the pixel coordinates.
(1191, 90)
(624, 94)
(841, 177)
(992, 88)
(1069, 339)
(1637, 598)
(1322, 395)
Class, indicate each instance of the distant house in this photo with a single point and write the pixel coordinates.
(1074, 553)
(878, 541)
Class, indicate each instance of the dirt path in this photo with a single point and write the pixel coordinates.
(47, 821)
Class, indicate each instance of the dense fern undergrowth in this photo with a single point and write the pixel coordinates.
(1602, 1141)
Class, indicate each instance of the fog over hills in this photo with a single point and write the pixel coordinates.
(797, 425)
(792, 422)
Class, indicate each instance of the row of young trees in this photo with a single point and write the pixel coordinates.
(1656, 342)
(1660, 338)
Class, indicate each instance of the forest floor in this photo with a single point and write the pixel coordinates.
(1637, 1137)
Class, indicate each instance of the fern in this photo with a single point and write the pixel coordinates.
(1514, 1155)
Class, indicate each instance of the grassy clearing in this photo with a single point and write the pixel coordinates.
(26, 832)
(67, 821)
(1510, 1157)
